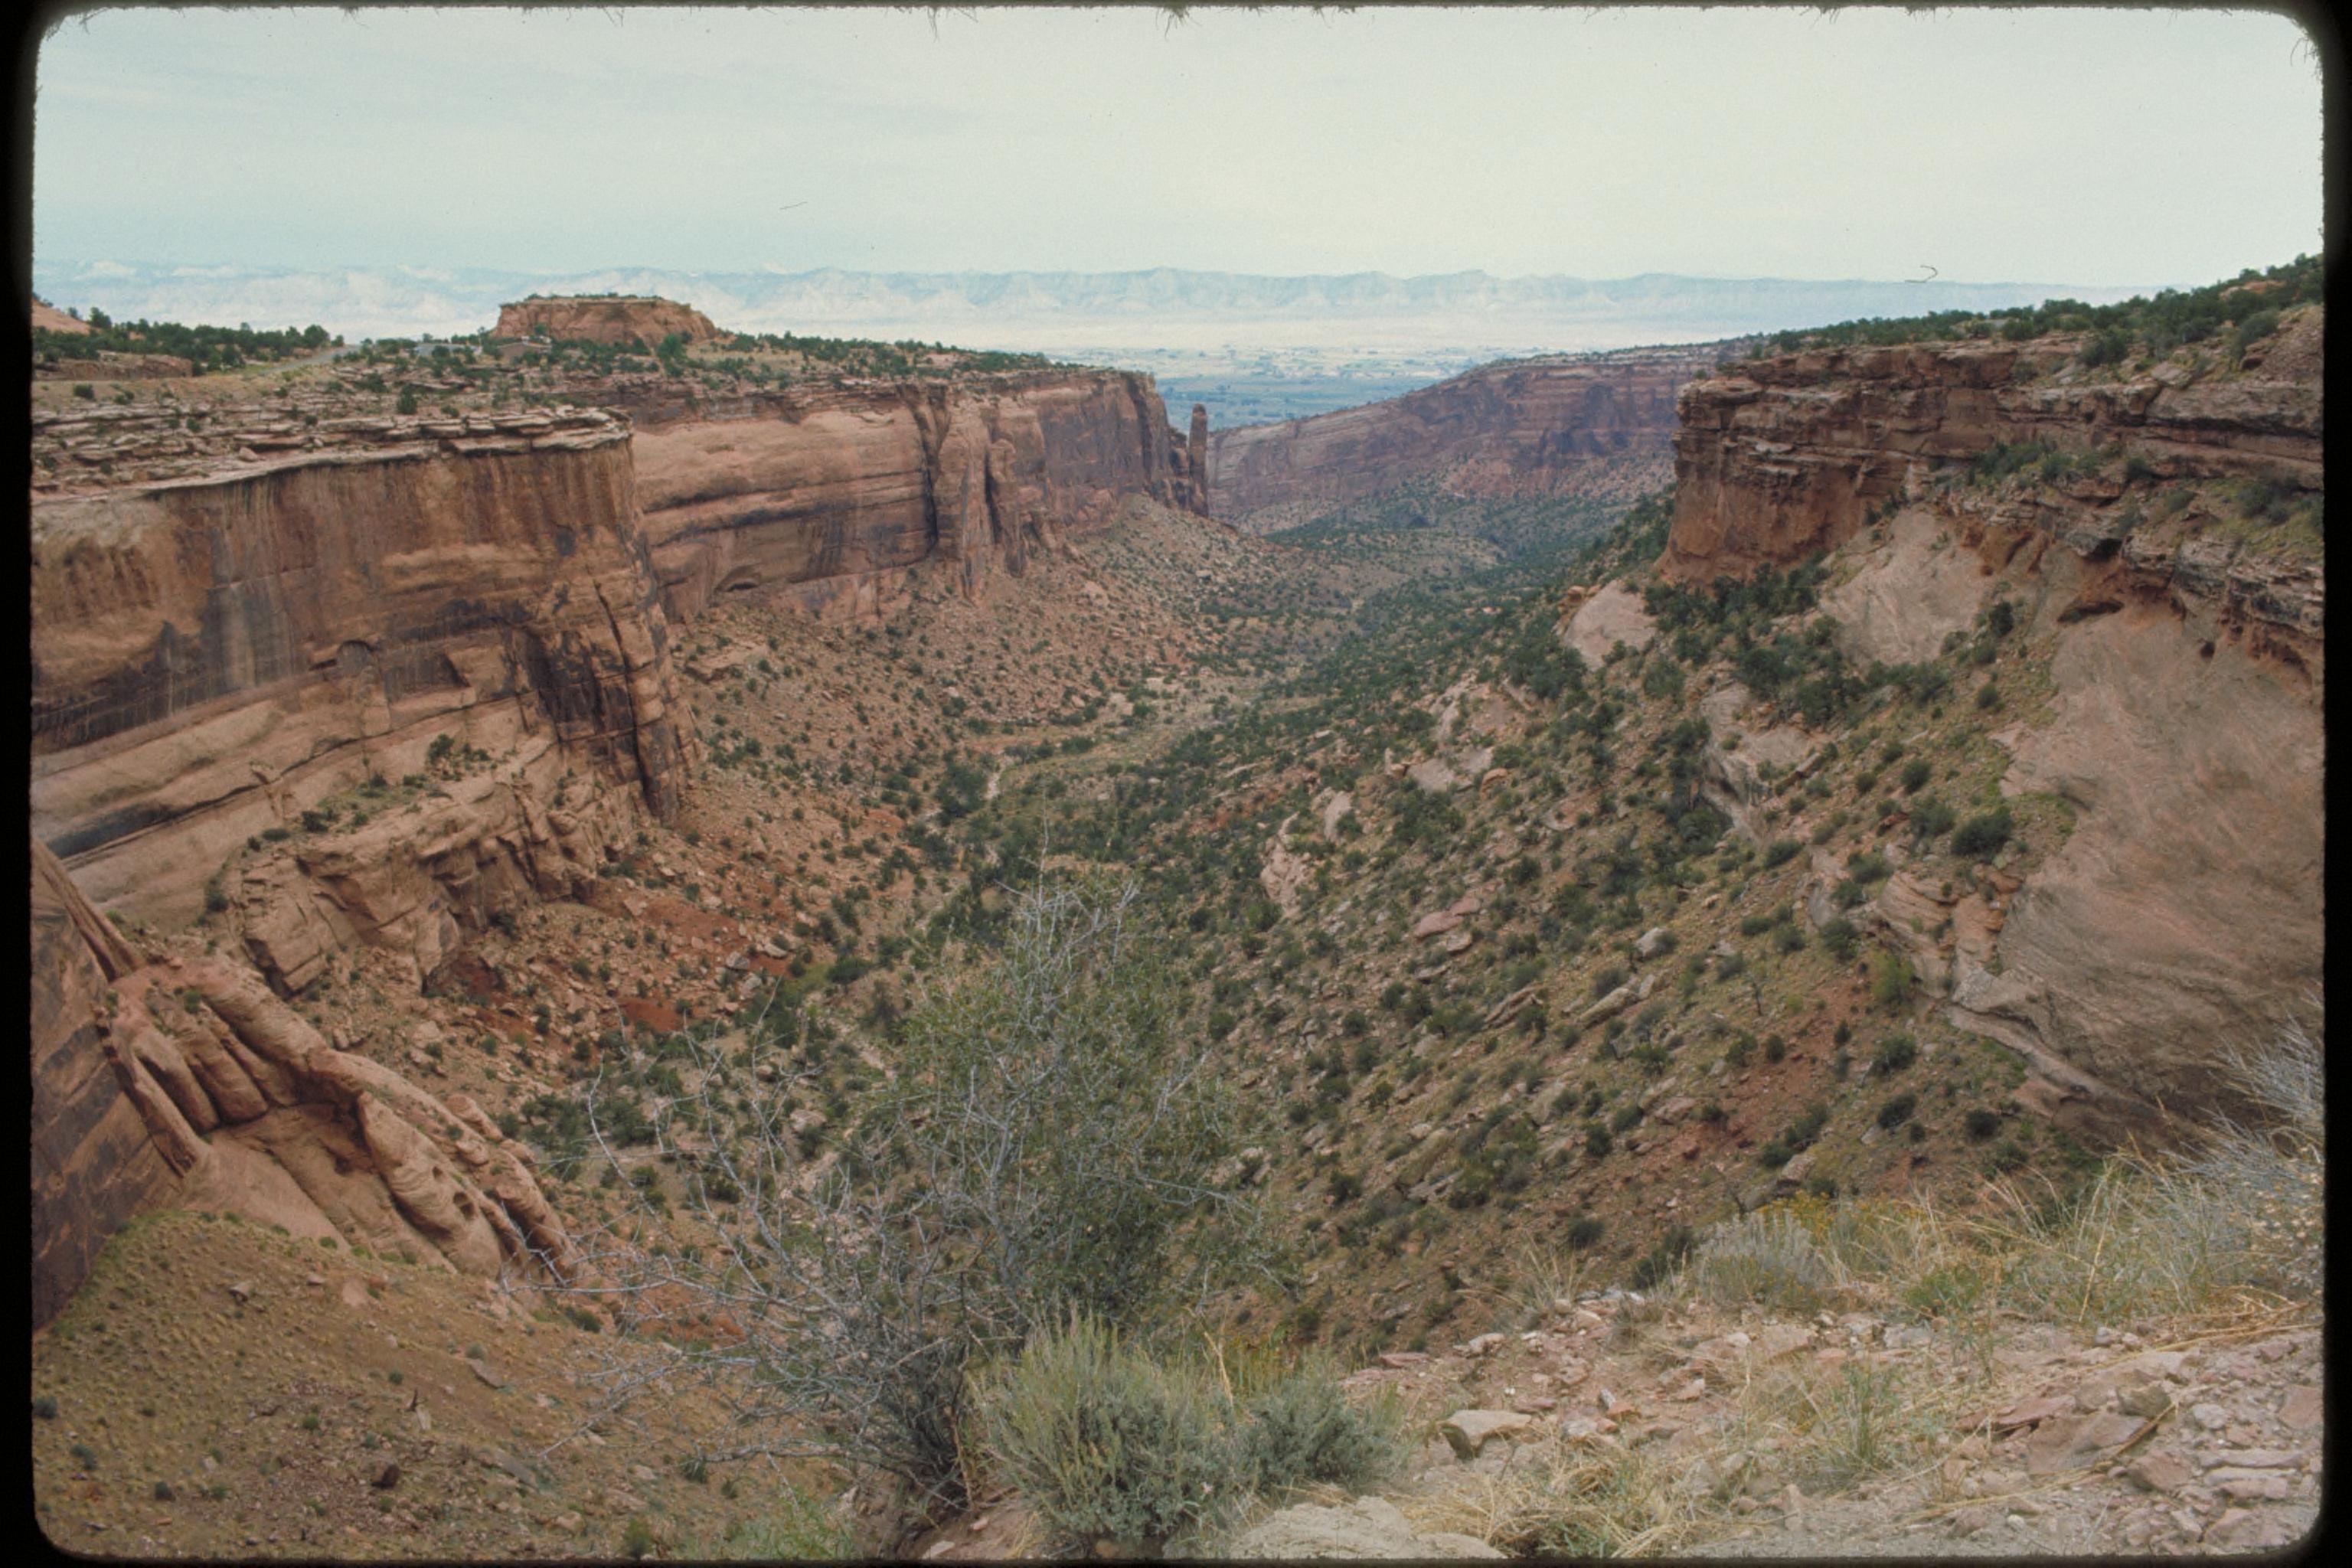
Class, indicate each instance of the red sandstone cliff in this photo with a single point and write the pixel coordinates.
(1523, 427)
(374, 680)
(643, 321)
(2181, 913)
(1787, 456)
(214, 656)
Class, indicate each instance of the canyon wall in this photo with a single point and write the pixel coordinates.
(2157, 564)
(327, 681)
(218, 656)
(1522, 427)
(828, 496)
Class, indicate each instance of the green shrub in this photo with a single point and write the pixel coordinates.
(1895, 1053)
(2104, 348)
(801, 1529)
(1897, 1111)
(1104, 1444)
(1891, 980)
(1660, 1263)
(1981, 837)
(1869, 867)
(1839, 935)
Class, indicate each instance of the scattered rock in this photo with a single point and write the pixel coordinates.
(1469, 1431)
(2161, 1472)
(2071, 1443)
(2247, 1529)
(2031, 1412)
(2302, 1410)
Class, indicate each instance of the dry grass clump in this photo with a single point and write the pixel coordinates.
(1768, 1257)
(1831, 1428)
(2241, 1214)
(1565, 1499)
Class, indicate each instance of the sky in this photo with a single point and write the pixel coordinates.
(2128, 147)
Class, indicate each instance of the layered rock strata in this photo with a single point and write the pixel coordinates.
(191, 1085)
(215, 657)
(1791, 454)
(1526, 426)
(2178, 914)
(828, 496)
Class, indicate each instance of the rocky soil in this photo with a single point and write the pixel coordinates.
(221, 1390)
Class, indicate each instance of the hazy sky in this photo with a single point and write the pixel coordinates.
(2084, 146)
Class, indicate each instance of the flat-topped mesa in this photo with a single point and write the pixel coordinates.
(617, 318)
(229, 669)
(1523, 427)
(828, 496)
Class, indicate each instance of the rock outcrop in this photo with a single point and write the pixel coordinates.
(605, 319)
(1196, 461)
(1787, 456)
(2182, 912)
(831, 495)
(191, 1085)
(110, 365)
(464, 606)
(1523, 427)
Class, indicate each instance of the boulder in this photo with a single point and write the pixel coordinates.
(1368, 1529)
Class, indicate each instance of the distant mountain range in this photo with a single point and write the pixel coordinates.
(1164, 309)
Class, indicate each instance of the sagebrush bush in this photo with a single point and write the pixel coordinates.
(1302, 1431)
(1104, 1443)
